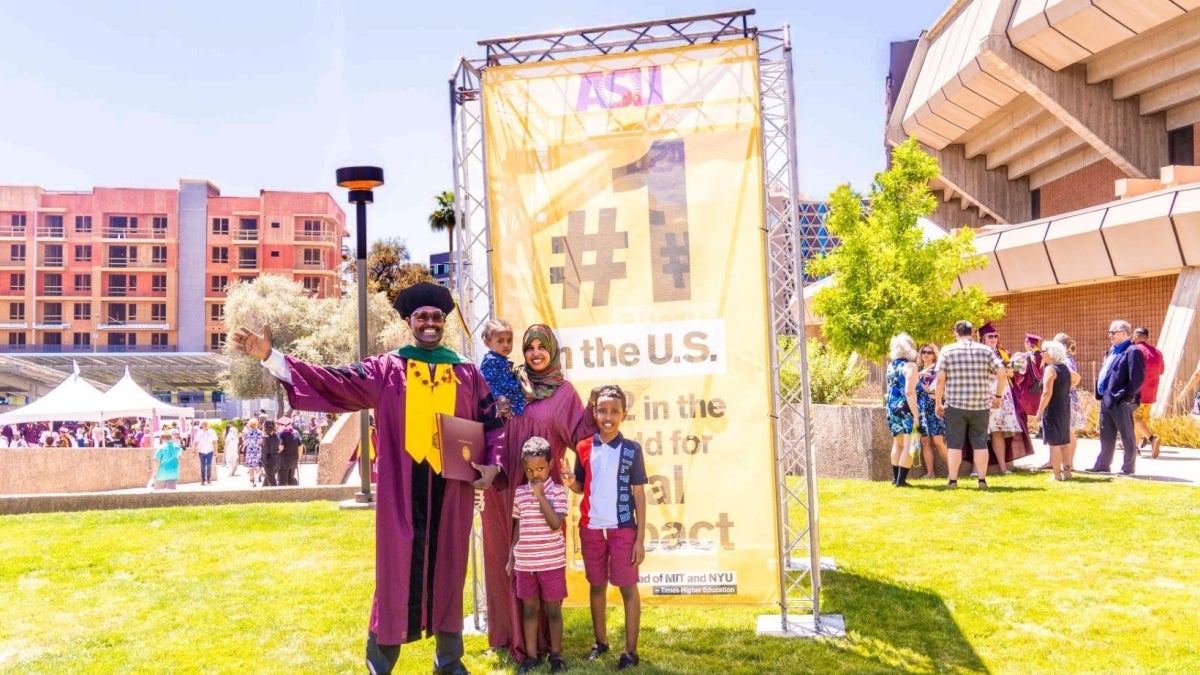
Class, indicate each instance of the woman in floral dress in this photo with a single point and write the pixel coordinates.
(252, 440)
(933, 428)
(901, 405)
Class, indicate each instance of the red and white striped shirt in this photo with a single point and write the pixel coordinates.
(539, 548)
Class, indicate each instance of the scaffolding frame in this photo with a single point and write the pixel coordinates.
(795, 496)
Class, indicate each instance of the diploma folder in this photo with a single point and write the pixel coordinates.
(460, 442)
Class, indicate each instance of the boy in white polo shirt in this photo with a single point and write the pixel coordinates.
(611, 475)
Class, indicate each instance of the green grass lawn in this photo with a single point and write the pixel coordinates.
(1096, 575)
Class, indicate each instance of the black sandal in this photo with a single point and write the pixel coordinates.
(952, 484)
(983, 484)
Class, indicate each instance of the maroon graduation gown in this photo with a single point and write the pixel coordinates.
(422, 521)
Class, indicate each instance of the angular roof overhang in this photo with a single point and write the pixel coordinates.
(1041, 88)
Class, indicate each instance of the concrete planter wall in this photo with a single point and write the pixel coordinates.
(852, 441)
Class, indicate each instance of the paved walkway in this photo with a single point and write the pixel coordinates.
(223, 481)
(1174, 465)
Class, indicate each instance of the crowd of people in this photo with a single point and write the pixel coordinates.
(270, 449)
(972, 395)
(530, 416)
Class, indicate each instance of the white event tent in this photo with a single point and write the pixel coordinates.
(76, 399)
(127, 399)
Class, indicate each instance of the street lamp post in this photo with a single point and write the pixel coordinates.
(360, 181)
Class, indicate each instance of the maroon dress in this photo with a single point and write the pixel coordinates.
(422, 521)
(561, 419)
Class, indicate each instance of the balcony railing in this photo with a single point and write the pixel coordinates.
(10, 231)
(128, 233)
(247, 265)
(310, 265)
(45, 232)
(55, 261)
(245, 235)
(52, 290)
(314, 236)
(132, 325)
(43, 349)
(9, 261)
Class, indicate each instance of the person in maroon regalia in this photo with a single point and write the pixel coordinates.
(423, 521)
(553, 411)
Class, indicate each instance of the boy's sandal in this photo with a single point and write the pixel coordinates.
(628, 660)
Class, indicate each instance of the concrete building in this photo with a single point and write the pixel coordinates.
(137, 276)
(1066, 135)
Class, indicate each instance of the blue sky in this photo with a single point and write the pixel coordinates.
(137, 94)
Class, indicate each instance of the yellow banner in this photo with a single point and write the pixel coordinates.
(625, 196)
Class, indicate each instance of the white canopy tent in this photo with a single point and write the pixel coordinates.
(75, 399)
(127, 399)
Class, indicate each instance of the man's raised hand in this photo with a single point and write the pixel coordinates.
(249, 342)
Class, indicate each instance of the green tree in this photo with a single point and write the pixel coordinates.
(444, 218)
(390, 268)
(888, 278)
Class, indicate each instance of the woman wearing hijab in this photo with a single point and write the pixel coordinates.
(554, 411)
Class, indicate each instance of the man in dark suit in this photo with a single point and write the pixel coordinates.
(1117, 388)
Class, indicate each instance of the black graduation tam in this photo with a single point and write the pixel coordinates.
(423, 294)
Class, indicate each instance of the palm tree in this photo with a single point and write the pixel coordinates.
(444, 218)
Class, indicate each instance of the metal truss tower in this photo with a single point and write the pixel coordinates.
(795, 486)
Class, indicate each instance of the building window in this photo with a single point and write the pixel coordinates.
(52, 312)
(220, 226)
(16, 281)
(312, 284)
(83, 311)
(83, 224)
(216, 341)
(16, 311)
(52, 339)
(158, 255)
(247, 258)
(158, 283)
(158, 311)
(119, 225)
(159, 224)
(53, 284)
(1181, 146)
(248, 224)
(312, 227)
(131, 311)
(220, 255)
(83, 253)
(54, 255)
(81, 339)
(274, 224)
(1035, 203)
(18, 224)
(158, 339)
(54, 225)
(246, 280)
(312, 257)
(17, 253)
(218, 312)
(16, 339)
(219, 283)
(274, 254)
(83, 282)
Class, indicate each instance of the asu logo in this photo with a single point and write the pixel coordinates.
(624, 88)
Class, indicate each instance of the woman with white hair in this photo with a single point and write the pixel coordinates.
(902, 405)
(1054, 408)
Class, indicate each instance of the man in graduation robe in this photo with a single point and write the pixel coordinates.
(423, 521)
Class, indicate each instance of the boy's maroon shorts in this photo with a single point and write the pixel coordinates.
(608, 555)
(549, 585)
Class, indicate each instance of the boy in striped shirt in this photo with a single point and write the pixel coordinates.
(539, 551)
